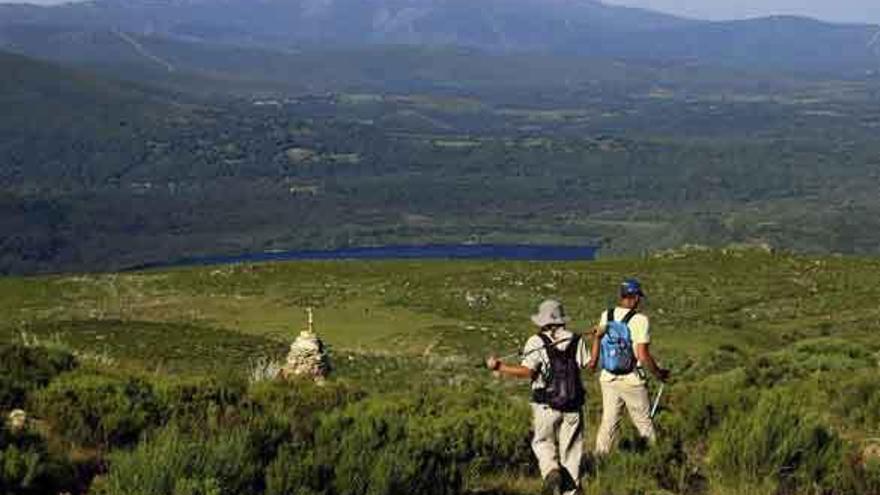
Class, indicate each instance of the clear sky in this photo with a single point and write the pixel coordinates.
(862, 11)
(865, 11)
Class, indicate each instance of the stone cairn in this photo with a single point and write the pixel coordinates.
(17, 421)
(308, 356)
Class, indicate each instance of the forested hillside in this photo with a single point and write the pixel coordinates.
(100, 174)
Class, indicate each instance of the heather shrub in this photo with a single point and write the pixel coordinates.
(28, 468)
(705, 404)
(427, 442)
(777, 443)
(197, 402)
(806, 358)
(171, 462)
(95, 409)
(24, 369)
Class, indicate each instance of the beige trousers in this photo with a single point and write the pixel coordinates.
(558, 442)
(630, 391)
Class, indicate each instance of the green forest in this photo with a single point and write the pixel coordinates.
(100, 174)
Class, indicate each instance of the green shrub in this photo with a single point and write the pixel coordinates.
(174, 463)
(421, 442)
(777, 443)
(636, 468)
(857, 399)
(296, 471)
(27, 467)
(299, 403)
(198, 402)
(705, 404)
(98, 410)
(724, 358)
(24, 369)
(808, 357)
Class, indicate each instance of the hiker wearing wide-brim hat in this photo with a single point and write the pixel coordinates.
(552, 359)
(621, 348)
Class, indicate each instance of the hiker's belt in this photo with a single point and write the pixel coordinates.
(637, 371)
(539, 396)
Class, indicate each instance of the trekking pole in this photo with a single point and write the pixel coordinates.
(522, 355)
(657, 400)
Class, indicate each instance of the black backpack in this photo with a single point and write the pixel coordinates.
(564, 390)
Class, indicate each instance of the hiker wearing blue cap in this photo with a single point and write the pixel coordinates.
(621, 347)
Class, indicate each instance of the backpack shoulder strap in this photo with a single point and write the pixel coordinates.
(572, 349)
(629, 316)
(609, 315)
(548, 344)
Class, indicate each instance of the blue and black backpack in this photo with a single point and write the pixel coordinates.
(616, 346)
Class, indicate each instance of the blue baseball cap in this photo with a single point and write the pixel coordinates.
(631, 287)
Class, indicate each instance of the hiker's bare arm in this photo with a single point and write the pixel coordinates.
(514, 370)
(643, 353)
(594, 349)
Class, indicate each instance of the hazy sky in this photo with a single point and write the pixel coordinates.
(867, 11)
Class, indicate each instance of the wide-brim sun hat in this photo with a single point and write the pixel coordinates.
(550, 312)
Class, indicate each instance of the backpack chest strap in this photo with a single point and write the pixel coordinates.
(552, 348)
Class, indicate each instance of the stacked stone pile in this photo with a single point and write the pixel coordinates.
(308, 356)
(17, 421)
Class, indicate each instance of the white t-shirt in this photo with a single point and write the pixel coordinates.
(535, 355)
(639, 331)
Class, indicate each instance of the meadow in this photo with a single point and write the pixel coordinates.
(142, 382)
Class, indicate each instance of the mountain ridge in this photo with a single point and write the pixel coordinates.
(579, 27)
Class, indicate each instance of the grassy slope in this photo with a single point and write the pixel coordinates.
(399, 324)
(699, 301)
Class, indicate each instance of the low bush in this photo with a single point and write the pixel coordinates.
(857, 399)
(95, 409)
(428, 442)
(777, 443)
(171, 462)
(24, 369)
(705, 404)
(637, 468)
(296, 471)
(807, 357)
(28, 468)
(197, 402)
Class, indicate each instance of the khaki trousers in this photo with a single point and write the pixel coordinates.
(617, 392)
(558, 442)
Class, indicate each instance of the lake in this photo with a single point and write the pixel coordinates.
(523, 252)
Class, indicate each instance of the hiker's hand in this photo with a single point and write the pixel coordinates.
(493, 363)
(663, 375)
(592, 364)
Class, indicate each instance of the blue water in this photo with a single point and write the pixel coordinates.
(436, 251)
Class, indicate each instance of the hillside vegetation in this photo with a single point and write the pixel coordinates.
(145, 379)
(103, 175)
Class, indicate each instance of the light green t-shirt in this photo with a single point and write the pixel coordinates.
(639, 331)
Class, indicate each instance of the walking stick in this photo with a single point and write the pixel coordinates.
(657, 400)
(520, 354)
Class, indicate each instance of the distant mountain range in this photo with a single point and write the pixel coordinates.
(576, 27)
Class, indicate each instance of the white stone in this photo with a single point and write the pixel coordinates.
(17, 420)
